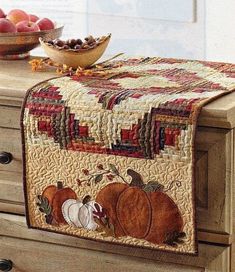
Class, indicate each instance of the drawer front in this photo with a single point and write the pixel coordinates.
(11, 193)
(10, 117)
(34, 256)
(214, 170)
(10, 142)
(34, 250)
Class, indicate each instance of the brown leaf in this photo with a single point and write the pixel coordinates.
(106, 230)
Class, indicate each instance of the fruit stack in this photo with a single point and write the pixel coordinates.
(19, 21)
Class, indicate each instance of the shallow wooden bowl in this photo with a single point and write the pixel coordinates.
(83, 58)
(18, 45)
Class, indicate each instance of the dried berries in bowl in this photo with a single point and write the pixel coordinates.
(76, 52)
(77, 44)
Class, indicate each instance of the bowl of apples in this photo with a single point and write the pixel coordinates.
(20, 33)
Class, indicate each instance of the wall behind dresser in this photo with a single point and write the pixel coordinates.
(197, 29)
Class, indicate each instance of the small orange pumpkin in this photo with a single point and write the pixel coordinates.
(56, 196)
(152, 216)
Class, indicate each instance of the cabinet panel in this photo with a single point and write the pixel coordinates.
(10, 142)
(46, 250)
(34, 256)
(214, 170)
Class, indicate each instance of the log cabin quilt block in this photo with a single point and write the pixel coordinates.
(109, 155)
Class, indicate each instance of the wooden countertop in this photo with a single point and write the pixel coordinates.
(16, 77)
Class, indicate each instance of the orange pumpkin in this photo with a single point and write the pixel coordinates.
(152, 216)
(56, 197)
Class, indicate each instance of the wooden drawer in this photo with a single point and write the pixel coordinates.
(29, 256)
(43, 251)
(9, 117)
(11, 192)
(10, 141)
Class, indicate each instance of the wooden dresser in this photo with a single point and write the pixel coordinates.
(34, 251)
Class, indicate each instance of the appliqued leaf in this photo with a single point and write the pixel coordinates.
(114, 169)
(44, 205)
(175, 238)
(153, 186)
(105, 227)
(98, 178)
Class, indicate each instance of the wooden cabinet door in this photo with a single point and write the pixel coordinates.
(214, 176)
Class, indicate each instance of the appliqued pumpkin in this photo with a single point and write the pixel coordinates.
(139, 213)
(81, 213)
(56, 196)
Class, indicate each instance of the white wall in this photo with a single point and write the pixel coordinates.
(196, 29)
(143, 28)
(220, 30)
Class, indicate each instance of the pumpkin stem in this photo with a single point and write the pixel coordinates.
(86, 199)
(59, 185)
(137, 180)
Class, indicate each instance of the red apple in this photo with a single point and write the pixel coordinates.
(33, 18)
(6, 26)
(26, 26)
(17, 15)
(2, 14)
(45, 24)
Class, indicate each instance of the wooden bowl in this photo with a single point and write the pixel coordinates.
(83, 58)
(18, 45)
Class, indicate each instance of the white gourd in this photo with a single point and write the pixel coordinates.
(78, 214)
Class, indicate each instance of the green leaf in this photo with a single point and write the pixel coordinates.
(44, 205)
(98, 178)
(47, 210)
(114, 169)
(153, 186)
(45, 201)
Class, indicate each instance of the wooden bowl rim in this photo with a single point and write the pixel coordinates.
(31, 34)
(72, 52)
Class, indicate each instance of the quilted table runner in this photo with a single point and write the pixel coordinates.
(109, 153)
